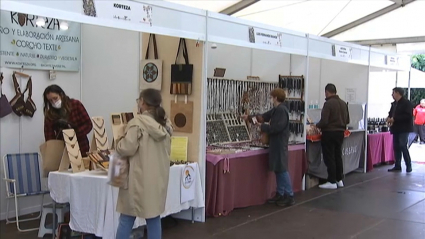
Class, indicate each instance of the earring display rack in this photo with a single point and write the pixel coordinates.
(100, 138)
(226, 128)
(72, 153)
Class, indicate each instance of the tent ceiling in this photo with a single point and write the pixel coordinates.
(319, 17)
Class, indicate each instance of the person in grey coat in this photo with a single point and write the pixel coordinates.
(276, 126)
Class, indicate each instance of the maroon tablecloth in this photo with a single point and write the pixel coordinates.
(249, 182)
(379, 149)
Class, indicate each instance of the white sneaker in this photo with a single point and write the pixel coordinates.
(340, 184)
(328, 185)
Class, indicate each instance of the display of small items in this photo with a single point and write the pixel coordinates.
(216, 129)
(236, 127)
(294, 85)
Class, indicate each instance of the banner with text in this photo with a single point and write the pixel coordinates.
(341, 52)
(130, 11)
(261, 36)
(24, 44)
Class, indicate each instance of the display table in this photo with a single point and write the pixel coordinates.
(379, 149)
(352, 155)
(243, 179)
(93, 202)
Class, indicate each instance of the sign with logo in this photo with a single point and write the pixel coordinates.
(391, 60)
(130, 11)
(188, 180)
(266, 37)
(341, 52)
(24, 44)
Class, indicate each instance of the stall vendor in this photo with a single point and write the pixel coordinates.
(62, 112)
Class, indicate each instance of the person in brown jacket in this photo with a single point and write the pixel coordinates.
(333, 123)
(147, 144)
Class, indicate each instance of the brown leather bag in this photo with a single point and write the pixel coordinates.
(18, 101)
(5, 107)
(30, 106)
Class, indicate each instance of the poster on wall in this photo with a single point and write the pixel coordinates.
(24, 44)
(187, 188)
(130, 11)
(266, 37)
(350, 95)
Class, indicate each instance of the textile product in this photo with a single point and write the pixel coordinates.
(79, 120)
(93, 202)
(249, 182)
(352, 155)
(379, 149)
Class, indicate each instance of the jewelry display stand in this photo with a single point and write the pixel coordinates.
(100, 138)
(119, 122)
(71, 154)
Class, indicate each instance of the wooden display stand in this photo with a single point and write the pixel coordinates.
(100, 138)
(71, 154)
(119, 122)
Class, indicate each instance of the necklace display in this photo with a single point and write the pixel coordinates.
(98, 125)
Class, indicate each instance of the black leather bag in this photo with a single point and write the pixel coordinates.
(18, 101)
(181, 74)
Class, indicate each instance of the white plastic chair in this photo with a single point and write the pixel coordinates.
(23, 179)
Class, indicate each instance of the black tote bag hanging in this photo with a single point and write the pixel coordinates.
(181, 74)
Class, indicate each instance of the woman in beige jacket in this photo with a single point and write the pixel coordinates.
(147, 144)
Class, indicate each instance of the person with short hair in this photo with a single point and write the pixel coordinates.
(400, 120)
(276, 126)
(333, 122)
(419, 115)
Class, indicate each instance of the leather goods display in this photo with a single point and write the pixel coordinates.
(5, 107)
(181, 116)
(71, 154)
(292, 84)
(51, 152)
(181, 74)
(18, 101)
(30, 106)
(151, 69)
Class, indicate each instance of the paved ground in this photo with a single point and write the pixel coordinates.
(372, 206)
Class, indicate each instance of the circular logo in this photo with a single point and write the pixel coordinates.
(180, 120)
(150, 72)
(188, 174)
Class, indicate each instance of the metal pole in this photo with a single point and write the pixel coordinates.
(366, 115)
(306, 99)
(408, 84)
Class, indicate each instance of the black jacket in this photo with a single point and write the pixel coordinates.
(402, 113)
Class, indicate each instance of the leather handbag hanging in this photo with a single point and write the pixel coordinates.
(18, 101)
(30, 106)
(151, 69)
(5, 107)
(181, 74)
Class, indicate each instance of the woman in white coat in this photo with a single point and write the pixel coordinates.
(147, 144)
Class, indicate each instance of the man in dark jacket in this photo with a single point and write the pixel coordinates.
(276, 126)
(400, 120)
(333, 123)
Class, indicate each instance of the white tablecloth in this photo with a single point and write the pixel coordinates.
(93, 202)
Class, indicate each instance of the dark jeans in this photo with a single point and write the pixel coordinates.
(332, 154)
(283, 182)
(420, 131)
(400, 141)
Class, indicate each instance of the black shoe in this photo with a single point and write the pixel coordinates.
(275, 199)
(409, 170)
(394, 170)
(286, 201)
(422, 143)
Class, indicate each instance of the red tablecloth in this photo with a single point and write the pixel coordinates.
(379, 149)
(249, 182)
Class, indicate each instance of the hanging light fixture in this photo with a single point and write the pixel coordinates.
(40, 21)
(64, 25)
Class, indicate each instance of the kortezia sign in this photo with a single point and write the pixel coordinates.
(24, 44)
(341, 52)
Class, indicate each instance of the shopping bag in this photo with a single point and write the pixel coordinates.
(51, 152)
(118, 171)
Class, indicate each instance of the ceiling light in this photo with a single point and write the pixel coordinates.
(40, 22)
(64, 26)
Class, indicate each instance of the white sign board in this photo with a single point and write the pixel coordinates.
(261, 36)
(24, 44)
(131, 11)
(351, 95)
(188, 180)
(341, 52)
(391, 60)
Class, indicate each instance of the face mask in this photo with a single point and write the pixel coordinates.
(57, 104)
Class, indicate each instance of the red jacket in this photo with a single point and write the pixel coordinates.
(419, 114)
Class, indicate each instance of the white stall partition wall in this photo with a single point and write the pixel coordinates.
(380, 90)
(110, 84)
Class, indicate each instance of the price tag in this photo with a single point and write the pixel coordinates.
(52, 75)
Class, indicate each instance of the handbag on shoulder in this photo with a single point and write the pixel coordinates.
(181, 74)
(5, 107)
